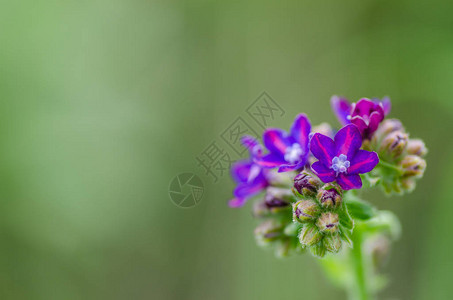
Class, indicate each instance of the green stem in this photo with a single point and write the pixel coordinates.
(389, 166)
(360, 289)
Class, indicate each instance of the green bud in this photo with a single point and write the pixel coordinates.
(416, 147)
(328, 222)
(394, 144)
(329, 196)
(260, 209)
(318, 250)
(386, 127)
(291, 229)
(309, 235)
(306, 184)
(408, 184)
(413, 165)
(332, 242)
(268, 231)
(323, 128)
(283, 248)
(305, 210)
(378, 248)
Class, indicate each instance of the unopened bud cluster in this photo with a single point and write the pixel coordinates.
(276, 230)
(320, 213)
(401, 157)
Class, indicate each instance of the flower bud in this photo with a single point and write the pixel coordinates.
(318, 250)
(274, 203)
(416, 147)
(268, 231)
(260, 209)
(305, 210)
(324, 128)
(378, 248)
(332, 242)
(388, 126)
(283, 248)
(408, 184)
(309, 235)
(328, 222)
(329, 196)
(394, 143)
(413, 165)
(306, 184)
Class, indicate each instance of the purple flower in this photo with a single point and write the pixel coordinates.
(341, 159)
(250, 177)
(365, 114)
(342, 109)
(288, 151)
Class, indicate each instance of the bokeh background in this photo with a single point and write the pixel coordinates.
(103, 102)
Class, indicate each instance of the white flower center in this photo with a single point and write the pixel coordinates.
(293, 153)
(340, 164)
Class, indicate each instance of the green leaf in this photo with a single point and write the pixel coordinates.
(345, 218)
(346, 236)
(359, 209)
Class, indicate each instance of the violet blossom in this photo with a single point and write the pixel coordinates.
(366, 114)
(287, 151)
(341, 159)
(249, 176)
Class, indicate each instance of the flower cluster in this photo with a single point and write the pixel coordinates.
(307, 178)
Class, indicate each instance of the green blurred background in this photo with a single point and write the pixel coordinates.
(104, 102)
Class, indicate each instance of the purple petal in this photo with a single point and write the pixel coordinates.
(361, 124)
(323, 148)
(300, 130)
(349, 182)
(363, 162)
(248, 190)
(291, 167)
(386, 105)
(237, 202)
(240, 170)
(275, 140)
(375, 119)
(342, 109)
(348, 140)
(324, 173)
(270, 160)
(363, 107)
(252, 145)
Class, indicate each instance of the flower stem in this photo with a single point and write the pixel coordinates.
(360, 288)
(389, 166)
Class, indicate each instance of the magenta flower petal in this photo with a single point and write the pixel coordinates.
(237, 202)
(375, 119)
(252, 145)
(363, 162)
(270, 160)
(349, 181)
(364, 107)
(275, 140)
(342, 109)
(300, 130)
(240, 170)
(290, 167)
(323, 148)
(347, 141)
(247, 190)
(386, 105)
(324, 173)
(367, 115)
(360, 122)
